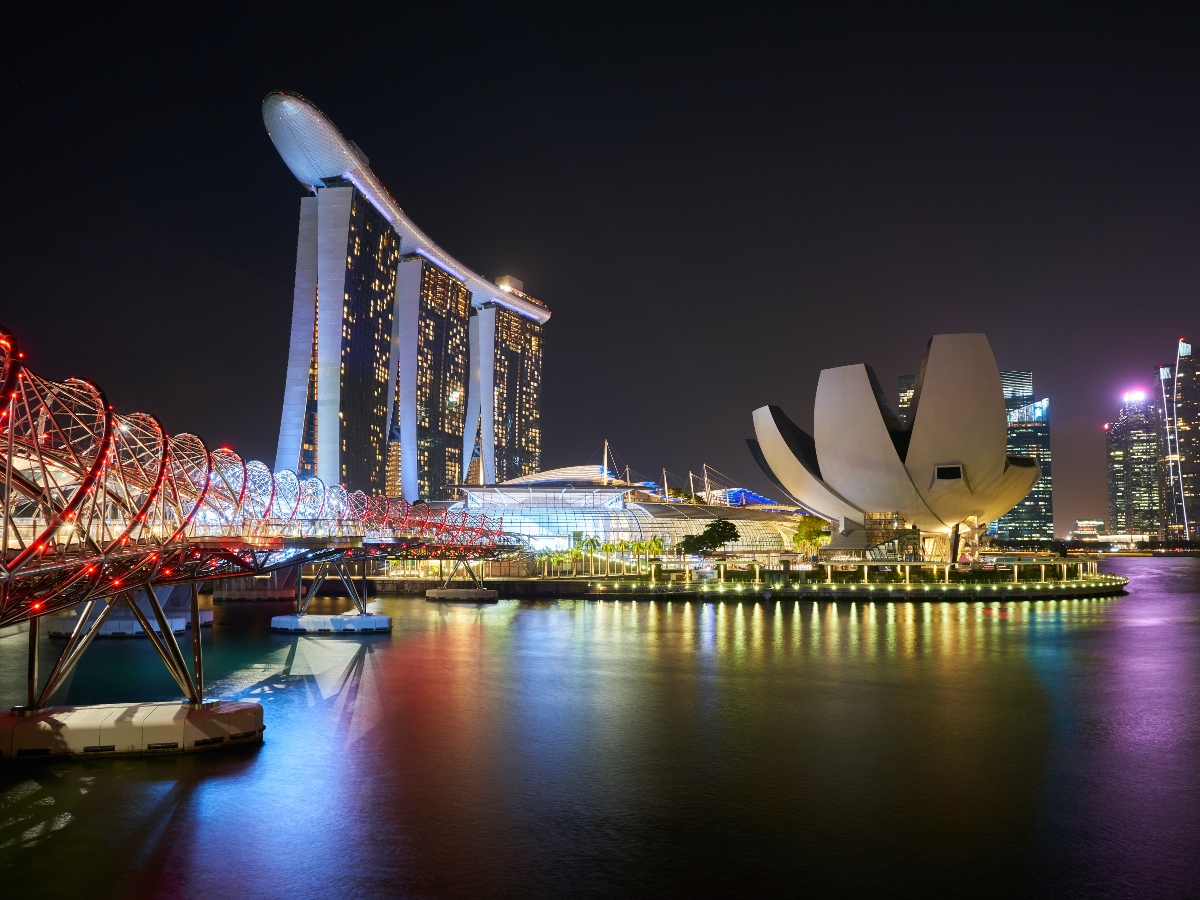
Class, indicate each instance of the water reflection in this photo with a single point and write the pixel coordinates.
(576, 748)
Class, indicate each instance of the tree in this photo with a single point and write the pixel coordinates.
(810, 534)
(721, 532)
(591, 546)
(716, 534)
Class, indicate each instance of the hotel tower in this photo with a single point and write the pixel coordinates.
(404, 365)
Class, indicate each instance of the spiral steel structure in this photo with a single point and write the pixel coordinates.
(97, 503)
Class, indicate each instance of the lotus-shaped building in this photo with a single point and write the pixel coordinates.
(947, 471)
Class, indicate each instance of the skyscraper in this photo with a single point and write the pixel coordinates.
(504, 419)
(1018, 388)
(1028, 435)
(433, 310)
(337, 365)
(391, 336)
(1131, 443)
(1178, 403)
(908, 387)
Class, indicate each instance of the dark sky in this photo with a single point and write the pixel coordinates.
(715, 205)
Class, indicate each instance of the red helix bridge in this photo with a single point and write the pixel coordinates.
(100, 504)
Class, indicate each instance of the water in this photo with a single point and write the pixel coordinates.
(618, 749)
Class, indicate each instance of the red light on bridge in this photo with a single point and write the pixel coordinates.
(35, 606)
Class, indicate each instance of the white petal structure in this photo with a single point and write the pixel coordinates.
(951, 468)
(854, 429)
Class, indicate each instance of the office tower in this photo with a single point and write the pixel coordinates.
(504, 419)
(1028, 435)
(1178, 403)
(1131, 444)
(335, 398)
(908, 387)
(391, 336)
(1018, 388)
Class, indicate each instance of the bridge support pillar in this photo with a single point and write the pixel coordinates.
(32, 693)
(318, 580)
(348, 581)
(183, 679)
(197, 649)
(80, 638)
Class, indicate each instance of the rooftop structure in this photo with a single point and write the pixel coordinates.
(561, 508)
(1018, 388)
(318, 155)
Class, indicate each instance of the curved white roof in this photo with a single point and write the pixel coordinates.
(315, 150)
(950, 466)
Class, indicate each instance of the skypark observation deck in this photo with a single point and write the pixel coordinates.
(318, 154)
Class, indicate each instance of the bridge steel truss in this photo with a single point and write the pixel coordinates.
(98, 506)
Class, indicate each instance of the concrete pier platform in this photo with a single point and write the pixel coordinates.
(112, 729)
(348, 623)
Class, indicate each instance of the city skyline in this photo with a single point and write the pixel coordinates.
(609, 197)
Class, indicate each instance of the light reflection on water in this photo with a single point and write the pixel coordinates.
(616, 748)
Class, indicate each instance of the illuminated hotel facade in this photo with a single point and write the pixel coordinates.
(403, 364)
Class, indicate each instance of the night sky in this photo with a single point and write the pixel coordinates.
(714, 205)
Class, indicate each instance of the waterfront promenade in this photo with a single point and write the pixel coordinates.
(633, 589)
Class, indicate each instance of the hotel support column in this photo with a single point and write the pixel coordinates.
(866, 578)
(300, 345)
(1016, 572)
(906, 575)
(333, 229)
(481, 399)
(32, 665)
(404, 355)
(1043, 571)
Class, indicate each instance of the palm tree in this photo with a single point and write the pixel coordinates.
(591, 545)
(654, 546)
(607, 548)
